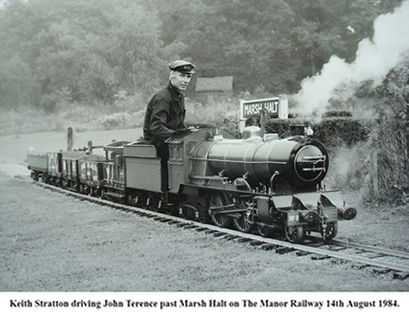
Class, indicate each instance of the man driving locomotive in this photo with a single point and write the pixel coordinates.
(166, 112)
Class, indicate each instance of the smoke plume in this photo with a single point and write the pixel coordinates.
(338, 80)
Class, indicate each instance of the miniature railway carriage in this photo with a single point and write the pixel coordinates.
(71, 170)
(113, 172)
(259, 183)
(91, 173)
(37, 163)
(54, 168)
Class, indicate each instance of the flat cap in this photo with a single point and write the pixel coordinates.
(182, 66)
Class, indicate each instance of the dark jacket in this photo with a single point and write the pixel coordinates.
(164, 115)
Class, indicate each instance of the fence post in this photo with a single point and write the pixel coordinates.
(70, 138)
(374, 172)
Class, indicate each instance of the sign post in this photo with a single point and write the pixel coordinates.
(70, 138)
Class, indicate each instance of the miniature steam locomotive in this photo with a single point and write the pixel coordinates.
(256, 183)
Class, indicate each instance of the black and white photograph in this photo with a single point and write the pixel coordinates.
(204, 156)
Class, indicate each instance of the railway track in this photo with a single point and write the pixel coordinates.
(379, 260)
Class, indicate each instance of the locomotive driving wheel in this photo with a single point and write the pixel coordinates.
(264, 230)
(217, 201)
(294, 234)
(243, 220)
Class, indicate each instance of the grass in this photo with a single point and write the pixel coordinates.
(57, 243)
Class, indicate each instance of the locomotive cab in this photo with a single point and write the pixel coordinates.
(182, 150)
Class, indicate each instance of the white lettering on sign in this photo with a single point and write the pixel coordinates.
(253, 108)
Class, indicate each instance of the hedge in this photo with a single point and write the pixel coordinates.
(332, 132)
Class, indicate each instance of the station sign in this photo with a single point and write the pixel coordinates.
(253, 108)
(276, 107)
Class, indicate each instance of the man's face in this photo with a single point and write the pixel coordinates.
(180, 80)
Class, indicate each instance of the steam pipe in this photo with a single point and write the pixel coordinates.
(276, 173)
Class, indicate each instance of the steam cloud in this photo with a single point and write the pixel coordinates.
(374, 59)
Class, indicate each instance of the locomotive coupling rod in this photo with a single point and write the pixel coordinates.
(212, 211)
(223, 207)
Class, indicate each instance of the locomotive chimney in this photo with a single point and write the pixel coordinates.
(297, 129)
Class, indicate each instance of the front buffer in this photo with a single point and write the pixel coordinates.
(303, 213)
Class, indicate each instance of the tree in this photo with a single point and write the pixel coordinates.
(275, 43)
(85, 50)
(91, 49)
(392, 136)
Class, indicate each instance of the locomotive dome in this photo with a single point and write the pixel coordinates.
(251, 132)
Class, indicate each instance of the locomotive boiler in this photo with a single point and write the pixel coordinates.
(290, 165)
(260, 183)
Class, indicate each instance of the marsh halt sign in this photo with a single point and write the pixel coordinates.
(276, 107)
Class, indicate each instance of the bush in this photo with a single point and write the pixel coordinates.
(113, 120)
(278, 126)
(390, 139)
(349, 168)
(121, 120)
(334, 132)
(335, 113)
(224, 115)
